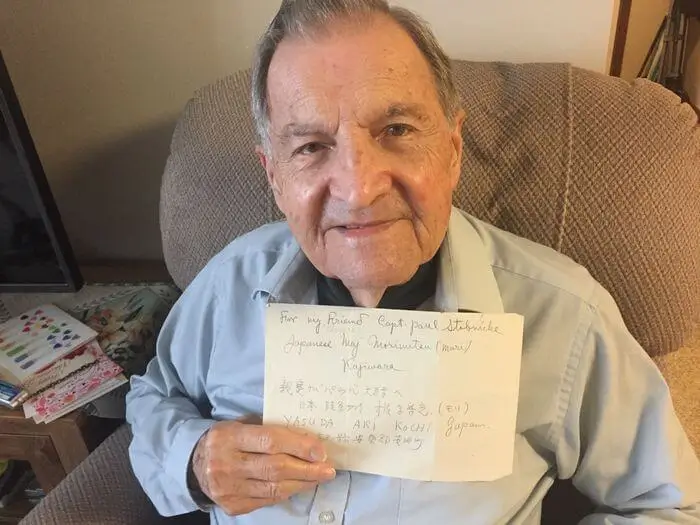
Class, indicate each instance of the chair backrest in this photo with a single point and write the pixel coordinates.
(601, 170)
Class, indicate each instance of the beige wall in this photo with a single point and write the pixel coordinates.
(692, 79)
(645, 18)
(102, 84)
(574, 31)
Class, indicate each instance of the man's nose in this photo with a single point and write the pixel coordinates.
(362, 173)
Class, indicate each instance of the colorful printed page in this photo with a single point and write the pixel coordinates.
(75, 389)
(37, 338)
(78, 359)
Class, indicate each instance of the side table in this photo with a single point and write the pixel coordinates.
(52, 449)
(56, 448)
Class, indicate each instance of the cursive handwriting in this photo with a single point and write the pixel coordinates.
(424, 325)
(352, 344)
(335, 319)
(357, 368)
(286, 317)
(391, 324)
(466, 325)
(456, 428)
(314, 321)
(447, 349)
(299, 345)
(380, 344)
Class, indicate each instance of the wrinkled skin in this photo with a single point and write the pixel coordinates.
(363, 161)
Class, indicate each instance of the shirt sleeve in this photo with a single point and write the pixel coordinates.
(620, 440)
(167, 407)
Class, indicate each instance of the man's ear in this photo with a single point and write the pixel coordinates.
(266, 163)
(457, 146)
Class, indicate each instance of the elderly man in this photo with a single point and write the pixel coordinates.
(359, 124)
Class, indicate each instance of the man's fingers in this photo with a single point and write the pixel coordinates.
(271, 439)
(279, 467)
(276, 490)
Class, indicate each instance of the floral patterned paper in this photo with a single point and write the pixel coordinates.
(74, 388)
(127, 328)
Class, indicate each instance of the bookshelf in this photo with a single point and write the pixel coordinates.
(53, 449)
(14, 513)
(689, 8)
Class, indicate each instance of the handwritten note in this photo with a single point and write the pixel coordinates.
(418, 395)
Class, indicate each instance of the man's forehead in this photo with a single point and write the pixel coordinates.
(295, 78)
(298, 104)
(376, 66)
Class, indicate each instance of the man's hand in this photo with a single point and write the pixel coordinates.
(243, 467)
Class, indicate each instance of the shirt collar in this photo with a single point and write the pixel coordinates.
(465, 277)
(291, 280)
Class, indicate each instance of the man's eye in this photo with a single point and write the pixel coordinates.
(309, 149)
(398, 130)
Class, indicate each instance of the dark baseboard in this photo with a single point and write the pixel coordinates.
(124, 271)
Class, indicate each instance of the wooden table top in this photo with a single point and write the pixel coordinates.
(13, 421)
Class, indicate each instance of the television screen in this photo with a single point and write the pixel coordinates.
(34, 251)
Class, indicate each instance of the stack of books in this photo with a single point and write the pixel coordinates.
(53, 361)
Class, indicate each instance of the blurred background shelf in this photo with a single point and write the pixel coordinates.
(16, 511)
(690, 7)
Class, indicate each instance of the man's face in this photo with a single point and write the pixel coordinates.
(362, 160)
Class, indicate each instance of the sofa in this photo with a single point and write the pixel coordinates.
(605, 171)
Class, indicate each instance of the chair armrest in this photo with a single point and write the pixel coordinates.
(102, 490)
(682, 372)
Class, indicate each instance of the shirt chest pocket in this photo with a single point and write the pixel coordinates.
(446, 504)
(377, 500)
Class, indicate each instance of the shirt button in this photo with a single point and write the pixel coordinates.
(326, 516)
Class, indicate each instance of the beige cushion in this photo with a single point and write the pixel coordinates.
(604, 171)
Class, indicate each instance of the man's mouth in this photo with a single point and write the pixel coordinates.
(364, 225)
(365, 228)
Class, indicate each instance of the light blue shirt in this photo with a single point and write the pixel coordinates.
(593, 407)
